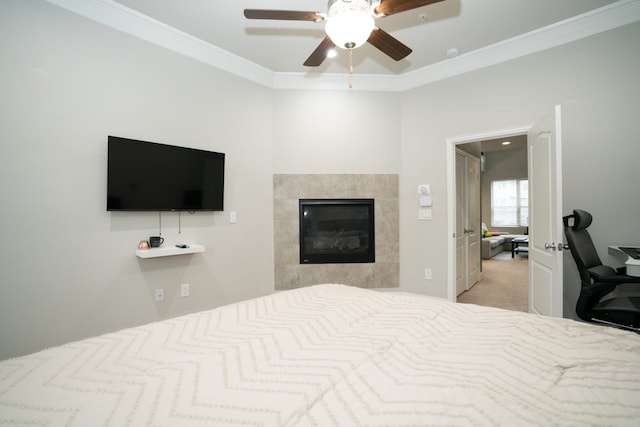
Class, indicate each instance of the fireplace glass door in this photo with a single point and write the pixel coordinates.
(337, 231)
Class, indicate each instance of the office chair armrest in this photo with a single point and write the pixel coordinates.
(619, 279)
(604, 273)
(601, 272)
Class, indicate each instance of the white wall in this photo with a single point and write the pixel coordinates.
(67, 267)
(336, 132)
(508, 95)
(595, 79)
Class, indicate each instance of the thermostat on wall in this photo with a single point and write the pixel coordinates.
(424, 189)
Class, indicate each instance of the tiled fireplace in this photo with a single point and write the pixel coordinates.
(291, 271)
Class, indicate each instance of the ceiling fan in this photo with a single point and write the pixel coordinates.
(349, 24)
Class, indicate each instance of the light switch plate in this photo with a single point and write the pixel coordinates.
(424, 214)
(425, 201)
(184, 290)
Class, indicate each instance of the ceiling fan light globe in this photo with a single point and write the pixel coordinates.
(350, 29)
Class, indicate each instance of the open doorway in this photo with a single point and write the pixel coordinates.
(504, 273)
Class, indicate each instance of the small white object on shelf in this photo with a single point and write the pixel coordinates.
(169, 251)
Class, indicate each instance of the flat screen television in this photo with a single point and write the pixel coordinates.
(147, 176)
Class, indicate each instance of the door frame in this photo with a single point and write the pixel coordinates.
(452, 142)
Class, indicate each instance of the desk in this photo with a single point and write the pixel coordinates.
(519, 245)
(629, 256)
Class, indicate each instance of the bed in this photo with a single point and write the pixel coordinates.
(333, 355)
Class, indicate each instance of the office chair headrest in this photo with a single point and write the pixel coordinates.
(581, 219)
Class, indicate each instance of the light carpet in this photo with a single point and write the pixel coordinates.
(504, 284)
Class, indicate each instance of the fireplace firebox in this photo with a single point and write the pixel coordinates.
(337, 231)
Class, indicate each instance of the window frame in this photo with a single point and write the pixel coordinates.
(521, 203)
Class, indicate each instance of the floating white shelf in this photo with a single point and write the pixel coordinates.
(169, 251)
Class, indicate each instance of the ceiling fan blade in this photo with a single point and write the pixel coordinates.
(320, 53)
(286, 15)
(389, 44)
(389, 7)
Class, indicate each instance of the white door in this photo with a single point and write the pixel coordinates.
(461, 268)
(473, 221)
(545, 216)
(467, 221)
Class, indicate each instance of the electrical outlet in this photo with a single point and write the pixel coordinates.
(159, 295)
(427, 274)
(184, 290)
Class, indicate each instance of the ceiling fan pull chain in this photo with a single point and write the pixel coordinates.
(350, 68)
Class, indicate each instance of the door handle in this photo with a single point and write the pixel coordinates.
(560, 247)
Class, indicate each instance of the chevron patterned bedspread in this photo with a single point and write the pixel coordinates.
(333, 355)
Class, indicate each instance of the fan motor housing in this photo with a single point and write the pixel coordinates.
(338, 6)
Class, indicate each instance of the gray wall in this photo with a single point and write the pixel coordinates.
(67, 267)
(595, 79)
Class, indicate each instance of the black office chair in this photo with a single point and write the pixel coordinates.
(598, 280)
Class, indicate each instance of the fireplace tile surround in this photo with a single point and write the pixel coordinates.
(289, 188)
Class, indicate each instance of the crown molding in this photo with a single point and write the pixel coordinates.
(338, 81)
(615, 15)
(119, 17)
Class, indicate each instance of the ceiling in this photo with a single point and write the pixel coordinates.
(282, 46)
